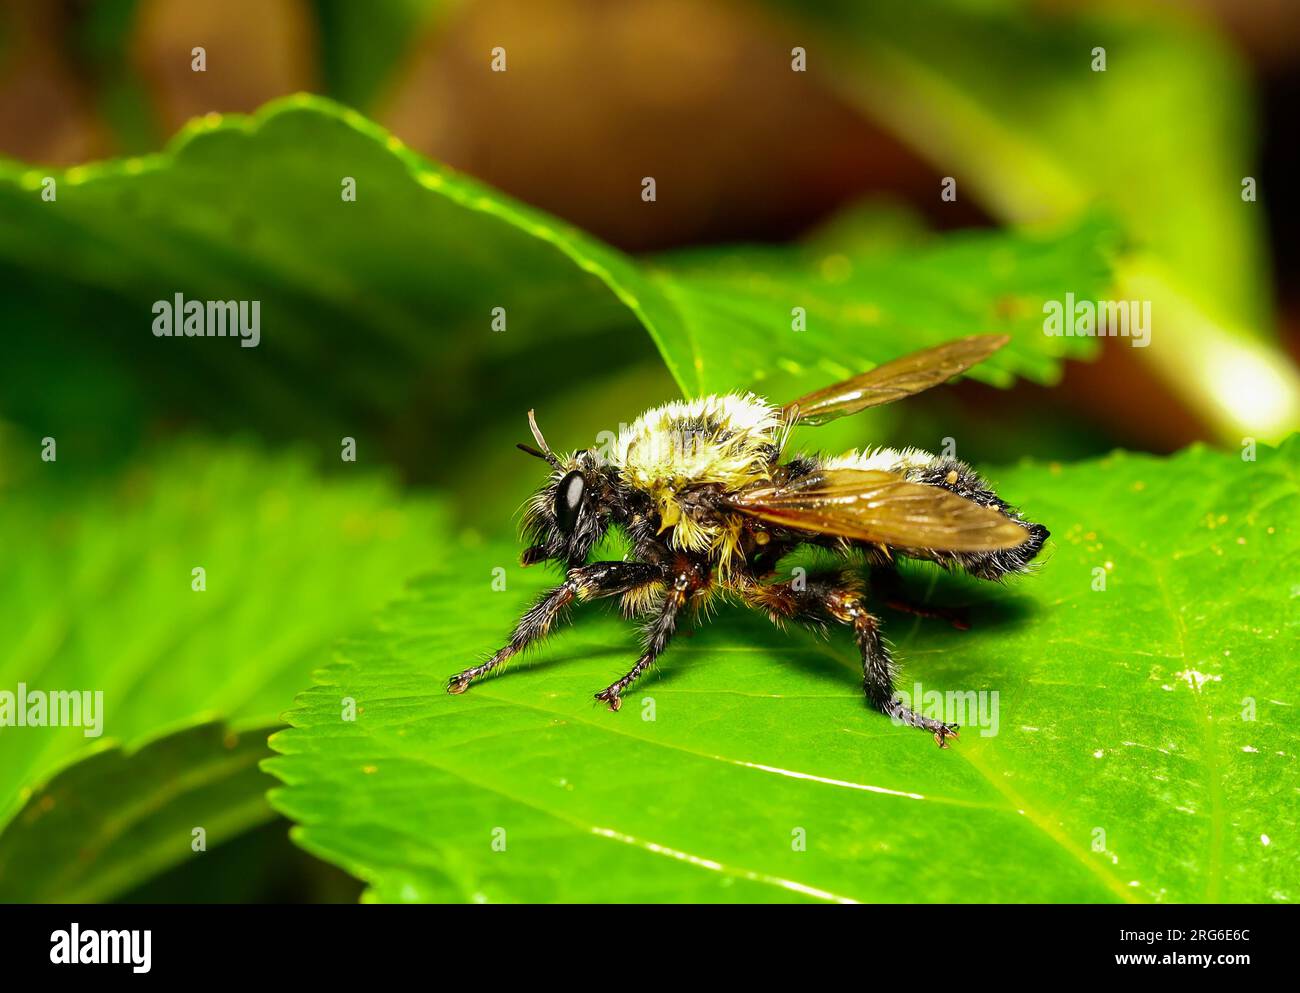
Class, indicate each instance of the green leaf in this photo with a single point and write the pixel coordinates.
(1013, 99)
(363, 46)
(383, 307)
(260, 866)
(864, 306)
(1123, 767)
(98, 595)
(108, 822)
(99, 41)
(1004, 98)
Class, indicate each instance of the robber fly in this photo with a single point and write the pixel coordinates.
(709, 507)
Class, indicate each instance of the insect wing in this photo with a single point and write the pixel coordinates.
(883, 508)
(895, 380)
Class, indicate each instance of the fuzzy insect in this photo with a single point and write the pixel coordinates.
(709, 507)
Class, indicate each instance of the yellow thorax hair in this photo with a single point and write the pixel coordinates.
(726, 440)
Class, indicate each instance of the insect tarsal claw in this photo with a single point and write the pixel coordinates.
(613, 699)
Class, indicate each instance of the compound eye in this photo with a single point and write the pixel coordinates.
(568, 499)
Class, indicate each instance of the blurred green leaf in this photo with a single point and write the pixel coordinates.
(97, 593)
(1144, 747)
(1006, 94)
(1004, 98)
(368, 310)
(100, 42)
(384, 306)
(363, 45)
(260, 866)
(115, 819)
(864, 305)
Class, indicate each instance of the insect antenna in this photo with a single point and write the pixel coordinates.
(531, 451)
(545, 453)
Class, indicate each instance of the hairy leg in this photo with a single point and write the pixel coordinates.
(588, 582)
(878, 668)
(838, 596)
(658, 634)
(687, 577)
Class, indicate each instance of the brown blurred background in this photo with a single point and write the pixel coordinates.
(598, 95)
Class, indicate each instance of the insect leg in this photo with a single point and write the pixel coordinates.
(586, 582)
(878, 667)
(658, 635)
(802, 600)
(837, 596)
(684, 579)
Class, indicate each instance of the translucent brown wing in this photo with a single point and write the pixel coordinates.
(881, 507)
(895, 380)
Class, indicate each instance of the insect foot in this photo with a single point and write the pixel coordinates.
(457, 684)
(941, 731)
(611, 697)
(945, 732)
